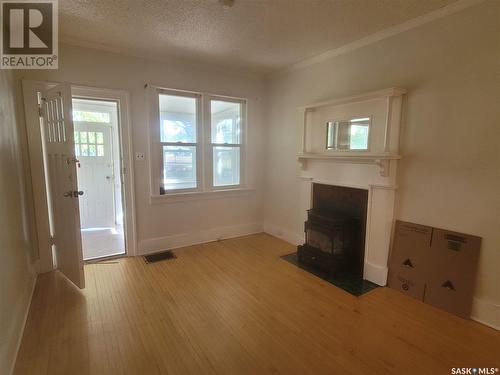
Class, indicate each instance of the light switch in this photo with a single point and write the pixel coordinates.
(139, 156)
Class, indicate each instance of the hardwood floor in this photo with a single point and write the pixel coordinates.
(235, 307)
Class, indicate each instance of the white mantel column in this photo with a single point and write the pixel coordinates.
(380, 216)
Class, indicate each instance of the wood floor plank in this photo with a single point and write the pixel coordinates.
(235, 307)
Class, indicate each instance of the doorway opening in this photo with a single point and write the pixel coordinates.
(97, 148)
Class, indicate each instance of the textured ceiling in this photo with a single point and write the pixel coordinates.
(257, 35)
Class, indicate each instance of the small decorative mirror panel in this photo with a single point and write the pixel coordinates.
(346, 135)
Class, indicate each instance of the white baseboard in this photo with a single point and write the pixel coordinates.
(486, 312)
(376, 274)
(284, 233)
(175, 241)
(14, 344)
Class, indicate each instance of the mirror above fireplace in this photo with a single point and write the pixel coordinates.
(360, 129)
(346, 135)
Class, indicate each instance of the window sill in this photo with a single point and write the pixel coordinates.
(200, 195)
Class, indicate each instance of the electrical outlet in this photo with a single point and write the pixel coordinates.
(139, 156)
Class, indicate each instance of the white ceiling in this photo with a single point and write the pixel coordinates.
(256, 35)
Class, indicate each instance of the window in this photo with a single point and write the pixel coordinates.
(198, 150)
(89, 143)
(225, 141)
(91, 116)
(178, 138)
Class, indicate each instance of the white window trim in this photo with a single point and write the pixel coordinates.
(204, 155)
(210, 145)
(159, 145)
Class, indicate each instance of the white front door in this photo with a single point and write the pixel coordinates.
(93, 147)
(62, 185)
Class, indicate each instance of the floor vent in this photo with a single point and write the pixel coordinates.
(164, 255)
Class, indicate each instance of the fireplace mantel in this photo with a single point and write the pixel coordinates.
(383, 106)
(374, 170)
(379, 159)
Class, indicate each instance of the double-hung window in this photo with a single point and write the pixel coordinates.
(198, 142)
(179, 147)
(226, 141)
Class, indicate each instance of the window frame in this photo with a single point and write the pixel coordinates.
(158, 144)
(204, 148)
(211, 145)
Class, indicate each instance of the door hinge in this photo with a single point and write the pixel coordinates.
(52, 240)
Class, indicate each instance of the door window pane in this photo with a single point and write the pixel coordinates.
(226, 166)
(100, 150)
(91, 137)
(83, 137)
(226, 122)
(84, 150)
(179, 167)
(177, 118)
(99, 138)
(92, 150)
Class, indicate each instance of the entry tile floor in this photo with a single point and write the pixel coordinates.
(102, 242)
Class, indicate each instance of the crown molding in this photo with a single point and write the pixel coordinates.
(383, 34)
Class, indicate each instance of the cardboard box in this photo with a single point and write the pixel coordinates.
(411, 287)
(457, 247)
(411, 250)
(435, 265)
(450, 294)
(452, 272)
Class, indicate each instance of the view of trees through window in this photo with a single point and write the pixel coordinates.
(91, 116)
(178, 137)
(177, 130)
(226, 142)
(89, 143)
(178, 122)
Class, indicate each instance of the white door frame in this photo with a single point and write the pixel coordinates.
(45, 262)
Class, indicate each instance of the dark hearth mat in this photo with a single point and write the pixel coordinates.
(164, 255)
(354, 285)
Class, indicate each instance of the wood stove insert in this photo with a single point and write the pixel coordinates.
(335, 230)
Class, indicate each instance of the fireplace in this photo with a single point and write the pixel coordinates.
(335, 230)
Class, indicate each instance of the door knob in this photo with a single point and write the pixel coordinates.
(76, 193)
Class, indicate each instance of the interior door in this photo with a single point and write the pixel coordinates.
(95, 174)
(62, 186)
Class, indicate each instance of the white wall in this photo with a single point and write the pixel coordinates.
(158, 222)
(17, 275)
(450, 175)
